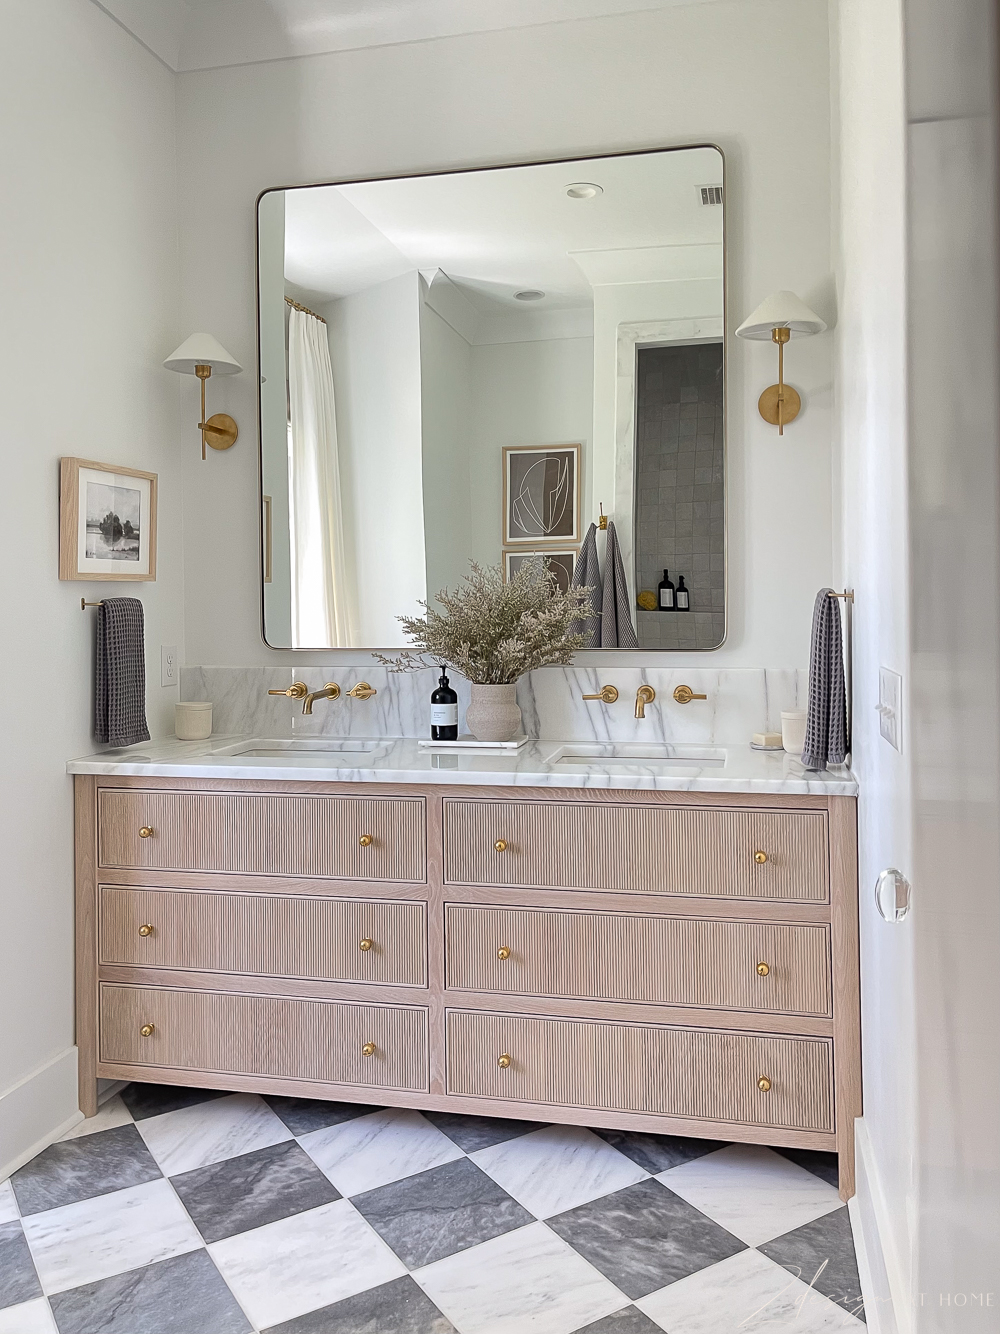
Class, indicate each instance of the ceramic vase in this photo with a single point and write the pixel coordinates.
(493, 713)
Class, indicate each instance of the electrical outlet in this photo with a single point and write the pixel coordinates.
(890, 707)
(168, 664)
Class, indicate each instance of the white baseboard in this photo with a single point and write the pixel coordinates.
(888, 1309)
(46, 1098)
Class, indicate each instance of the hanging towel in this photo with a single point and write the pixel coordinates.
(587, 574)
(120, 707)
(826, 716)
(617, 630)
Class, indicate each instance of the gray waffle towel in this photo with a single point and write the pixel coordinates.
(120, 706)
(826, 716)
(617, 630)
(587, 574)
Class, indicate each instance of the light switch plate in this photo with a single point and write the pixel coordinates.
(890, 707)
(168, 664)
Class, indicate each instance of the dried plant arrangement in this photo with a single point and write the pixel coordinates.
(494, 630)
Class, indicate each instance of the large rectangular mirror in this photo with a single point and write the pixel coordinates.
(475, 365)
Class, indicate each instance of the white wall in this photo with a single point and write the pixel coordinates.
(87, 313)
(687, 74)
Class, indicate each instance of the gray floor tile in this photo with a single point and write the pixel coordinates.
(185, 1295)
(822, 1254)
(823, 1165)
(18, 1280)
(79, 1169)
(644, 1237)
(657, 1153)
(144, 1100)
(256, 1188)
(440, 1212)
(480, 1132)
(301, 1115)
(629, 1321)
(399, 1307)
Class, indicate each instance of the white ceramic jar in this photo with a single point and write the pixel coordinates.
(193, 720)
(793, 730)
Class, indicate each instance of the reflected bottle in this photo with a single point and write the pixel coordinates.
(682, 597)
(666, 592)
(444, 711)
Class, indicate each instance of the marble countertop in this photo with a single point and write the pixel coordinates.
(538, 764)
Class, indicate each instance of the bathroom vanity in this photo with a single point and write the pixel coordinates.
(667, 947)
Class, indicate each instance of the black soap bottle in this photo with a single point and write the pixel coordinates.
(444, 711)
(666, 592)
(683, 597)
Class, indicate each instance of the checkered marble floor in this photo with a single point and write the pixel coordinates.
(180, 1211)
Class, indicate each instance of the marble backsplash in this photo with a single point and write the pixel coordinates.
(740, 702)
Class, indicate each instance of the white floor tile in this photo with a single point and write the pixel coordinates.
(527, 1280)
(301, 1263)
(373, 1150)
(80, 1243)
(755, 1193)
(112, 1113)
(8, 1205)
(208, 1132)
(28, 1318)
(744, 1294)
(557, 1168)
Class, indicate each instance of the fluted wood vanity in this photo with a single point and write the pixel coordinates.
(676, 961)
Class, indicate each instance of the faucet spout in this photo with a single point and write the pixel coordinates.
(643, 696)
(330, 691)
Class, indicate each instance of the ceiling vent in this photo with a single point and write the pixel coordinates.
(710, 195)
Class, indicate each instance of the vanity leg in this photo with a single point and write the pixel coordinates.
(85, 806)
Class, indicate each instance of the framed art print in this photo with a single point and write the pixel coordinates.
(541, 494)
(561, 563)
(107, 522)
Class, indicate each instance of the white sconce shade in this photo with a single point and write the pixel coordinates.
(204, 356)
(781, 317)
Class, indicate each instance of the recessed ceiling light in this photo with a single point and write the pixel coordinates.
(529, 294)
(584, 190)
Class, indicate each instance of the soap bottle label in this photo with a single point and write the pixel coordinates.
(667, 599)
(444, 715)
(683, 601)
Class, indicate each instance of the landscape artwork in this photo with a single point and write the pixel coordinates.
(113, 519)
(107, 521)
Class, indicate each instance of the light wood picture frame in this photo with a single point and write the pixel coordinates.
(107, 522)
(542, 495)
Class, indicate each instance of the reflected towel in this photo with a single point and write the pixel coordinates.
(617, 630)
(826, 716)
(120, 704)
(587, 574)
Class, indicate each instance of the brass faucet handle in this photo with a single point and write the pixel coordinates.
(362, 691)
(607, 695)
(684, 695)
(297, 691)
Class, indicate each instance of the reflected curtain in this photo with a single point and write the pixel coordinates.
(321, 602)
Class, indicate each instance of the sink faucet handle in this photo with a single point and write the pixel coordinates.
(297, 691)
(608, 694)
(643, 696)
(684, 695)
(362, 691)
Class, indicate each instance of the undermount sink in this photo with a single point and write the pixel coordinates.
(268, 748)
(640, 752)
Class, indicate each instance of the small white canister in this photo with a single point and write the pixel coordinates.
(193, 720)
(793, 730)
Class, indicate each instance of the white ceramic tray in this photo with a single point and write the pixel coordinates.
(470, 743)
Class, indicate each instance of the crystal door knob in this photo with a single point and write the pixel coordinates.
(146, 1031)
(145, 832)
(368, 1049)
(503, 952)
(365, 944)
(500, 845)
(503, 1061)
(145, 929)
(764, 1084)
(763, 969)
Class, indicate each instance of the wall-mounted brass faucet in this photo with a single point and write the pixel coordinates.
(299, 690)
(362, 691)
(330, 691)
(607, 694)
(643, 696)
(684, 695)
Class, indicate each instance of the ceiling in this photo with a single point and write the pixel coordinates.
(205, 34)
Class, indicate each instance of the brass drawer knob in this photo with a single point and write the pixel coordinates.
(504, 1060)
(368, 1049)
(366, 840)
(146, 1031)
(760, 858)
(503, 952)
(764, 1084)
(145, 832)
(500, 845)
(763, 969)
(145, 929)
(365, 944)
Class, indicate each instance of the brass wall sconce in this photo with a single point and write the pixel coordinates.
(781, 317)
(200, 355)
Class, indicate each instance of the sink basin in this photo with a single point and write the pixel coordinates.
(268, 748)
(640, 752)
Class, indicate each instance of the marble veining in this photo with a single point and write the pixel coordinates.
(371, 1151)
(195, 1136)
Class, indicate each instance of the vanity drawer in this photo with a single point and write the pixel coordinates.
(612, 956)
(642, 849)
(264, 834)
(696, 1074)
(264, 1035)
(337, 940)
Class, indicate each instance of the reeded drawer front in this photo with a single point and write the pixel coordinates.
(341, 838)
(629, 957)
(693, 1073)
(777, 855)
(265, 1035)
(339, 940)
